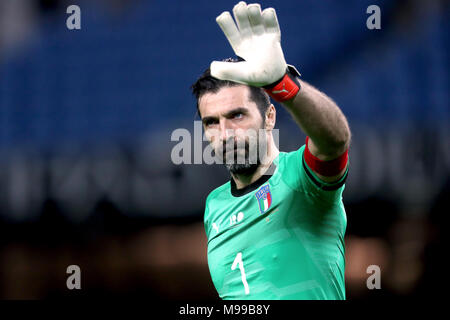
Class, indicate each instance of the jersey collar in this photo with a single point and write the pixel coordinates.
(253, 186)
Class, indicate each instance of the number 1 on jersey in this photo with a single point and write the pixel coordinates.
(238, 260)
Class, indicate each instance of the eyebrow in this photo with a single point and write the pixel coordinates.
(227, 114)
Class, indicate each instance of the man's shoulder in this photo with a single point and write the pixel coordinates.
(220, 192)
(287, 159)
(293, 153)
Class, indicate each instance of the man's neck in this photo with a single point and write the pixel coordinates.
(242, 181)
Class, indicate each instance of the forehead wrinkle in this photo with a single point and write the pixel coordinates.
(227, 100)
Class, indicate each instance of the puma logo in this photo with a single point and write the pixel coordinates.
(280, 91)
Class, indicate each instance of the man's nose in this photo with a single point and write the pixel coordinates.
(225, 131)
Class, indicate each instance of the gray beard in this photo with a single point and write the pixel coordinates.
(248, 167)
(243, 169)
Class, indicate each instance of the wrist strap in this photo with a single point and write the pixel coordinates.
(326, 168)
(287, 87)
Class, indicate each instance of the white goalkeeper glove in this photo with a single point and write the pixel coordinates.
(256, 39)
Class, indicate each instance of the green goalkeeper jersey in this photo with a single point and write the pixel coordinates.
(282, 237)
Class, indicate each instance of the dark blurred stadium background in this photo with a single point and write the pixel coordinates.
(85, 124)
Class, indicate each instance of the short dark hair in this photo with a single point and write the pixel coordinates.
(208, 84)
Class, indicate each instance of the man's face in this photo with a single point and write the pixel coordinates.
(232, 122)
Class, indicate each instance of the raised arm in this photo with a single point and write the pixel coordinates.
(323, 122)
(256, 37)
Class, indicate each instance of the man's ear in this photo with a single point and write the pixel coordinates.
(271, 117)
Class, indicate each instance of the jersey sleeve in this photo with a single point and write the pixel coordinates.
(302, 178)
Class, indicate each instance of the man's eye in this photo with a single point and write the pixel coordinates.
(238, 115)
(209, 123)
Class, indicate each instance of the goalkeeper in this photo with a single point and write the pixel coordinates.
(276, 229)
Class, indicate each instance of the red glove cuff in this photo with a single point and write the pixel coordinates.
(325, 168)
(286, 88)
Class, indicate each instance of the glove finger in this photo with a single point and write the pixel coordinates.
(229, 28)
(232, 71)
(240, 14)
(270, 21)
(256, 20)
